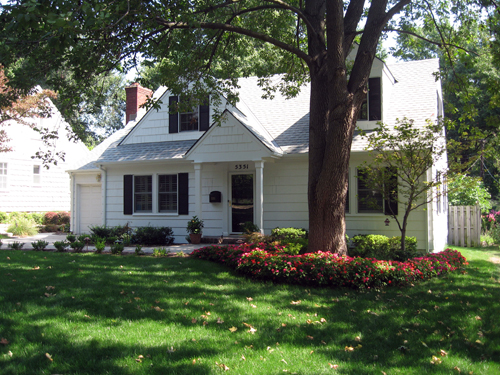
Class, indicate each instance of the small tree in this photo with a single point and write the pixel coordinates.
(401, 160)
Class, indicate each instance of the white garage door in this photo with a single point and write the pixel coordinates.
(90, 207)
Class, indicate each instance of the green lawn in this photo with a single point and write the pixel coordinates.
(97, 314)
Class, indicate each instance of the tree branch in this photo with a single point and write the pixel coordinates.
(237, 30)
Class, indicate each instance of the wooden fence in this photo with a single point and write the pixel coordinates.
(464, 226)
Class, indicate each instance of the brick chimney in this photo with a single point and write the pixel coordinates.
(136, 96)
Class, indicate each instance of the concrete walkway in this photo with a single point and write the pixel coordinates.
(52, 237)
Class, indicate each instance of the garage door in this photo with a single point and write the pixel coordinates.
(90, 207)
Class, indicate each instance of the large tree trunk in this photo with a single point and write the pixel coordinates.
(332, 123)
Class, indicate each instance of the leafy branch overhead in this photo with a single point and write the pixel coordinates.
(204, 47)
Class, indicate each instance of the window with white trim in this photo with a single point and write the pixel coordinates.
(3, 175)
(143, 193)
(167, 193)
(36, 175)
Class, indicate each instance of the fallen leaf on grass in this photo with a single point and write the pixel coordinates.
(171, 350)
(243, 357)
(222, 366)
(157, 308)
(357, 339)
(249, 299)
(8, 258)
(478, 318)
(436, 360)
(86, 316)
(49, 295)
(349, 349)
(233, 329)
(253, 305)
(296, 302)
(9, 353)
(310, 337)
(219, 320)
(193, 320)
(36, 268)
(50, 287)
(4, 341)
(424, 344)
(333, 366)
(456, 369)
(139, 358)
(443, 353)
(283, 360)
(49, 357)
(252, 330)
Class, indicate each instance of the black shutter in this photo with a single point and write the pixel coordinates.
(183, 193)
(374, 99)
(391, 201)
(204, 115)
(173, 118)
(128, 194)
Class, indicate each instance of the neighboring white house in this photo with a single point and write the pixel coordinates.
(25, 184)
(162, 168)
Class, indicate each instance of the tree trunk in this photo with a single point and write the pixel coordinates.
(328, 165)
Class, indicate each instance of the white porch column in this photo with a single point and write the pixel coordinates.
(259, 194)
(197, 190)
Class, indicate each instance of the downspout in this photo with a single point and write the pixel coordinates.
(104, 186)
(72, 202)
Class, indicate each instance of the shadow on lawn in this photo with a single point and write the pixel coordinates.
(123, 292)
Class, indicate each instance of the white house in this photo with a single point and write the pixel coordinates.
(162, 168)
(25, 184)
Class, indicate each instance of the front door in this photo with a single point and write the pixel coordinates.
(241, 201)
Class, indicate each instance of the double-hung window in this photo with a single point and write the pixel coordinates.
(143, 193)
(156, 194)
(185, 116)
(382, 200)
(36, 175)
(371, 109)
(167, 193)
(3, 175)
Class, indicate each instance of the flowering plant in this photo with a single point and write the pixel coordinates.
(195, 225)
(266, 262)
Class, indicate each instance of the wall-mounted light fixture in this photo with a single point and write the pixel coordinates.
(387, 222)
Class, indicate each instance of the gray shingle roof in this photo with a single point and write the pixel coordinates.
(283, 124)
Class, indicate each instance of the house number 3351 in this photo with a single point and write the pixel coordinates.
(241, 166)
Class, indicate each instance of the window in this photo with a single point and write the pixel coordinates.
(167, 193)
(156, 194)
(143, 193)
(371, 109)
(36, 175)
(3, 175)
(371, 200)
(196, 118)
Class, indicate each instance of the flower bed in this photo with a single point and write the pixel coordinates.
(268, 262)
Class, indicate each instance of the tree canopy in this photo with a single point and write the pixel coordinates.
(210, 43)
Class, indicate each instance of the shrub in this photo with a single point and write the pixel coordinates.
(50, 218)
(84, 238)
(61, 245)
(111, 240)
(328, 269)
(71, 238)
(117, 248)
(154, 235)
(383, 247)
(138, 250)
(285, 234)
(102, 231)
(63, 217)
(37, 217)
(39, 245)
(162, 252)
(77, 246)
(4, 217)
(16, 245)
(250, 227)
(126, 239)
(22, 227)
(51, 228)
(100, 244)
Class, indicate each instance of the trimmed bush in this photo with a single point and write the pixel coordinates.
(51, 228)
(50, 218)
(154, 236)
(382, 247)
(23, 227)
(77, 246)
(100, 244)
(117, 248)
(63, 217)
(328, 269)
(285, 234)
(37, 217)
(39, 245)
(61, 245)
(16, 245)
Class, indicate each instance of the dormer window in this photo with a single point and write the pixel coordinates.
(371, 109)
(195, 118)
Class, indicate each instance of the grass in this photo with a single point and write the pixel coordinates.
(97, 314)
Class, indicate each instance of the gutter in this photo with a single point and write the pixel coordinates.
(104, 183)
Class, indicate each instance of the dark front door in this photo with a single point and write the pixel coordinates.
(241, 201)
